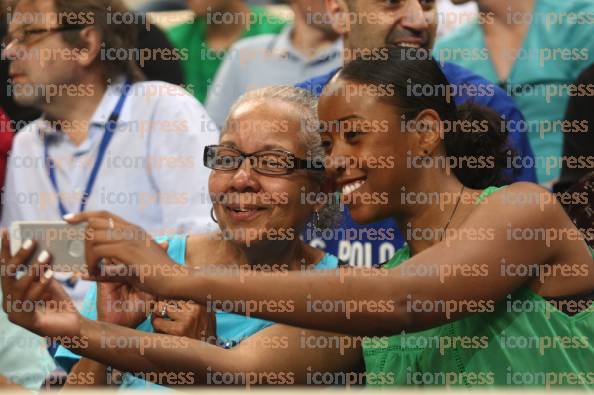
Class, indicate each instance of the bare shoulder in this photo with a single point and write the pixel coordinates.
(527, 204)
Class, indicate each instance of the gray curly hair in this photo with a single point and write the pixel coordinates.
(306, 106)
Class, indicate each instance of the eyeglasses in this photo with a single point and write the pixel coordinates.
(268, 162)
(23, 37)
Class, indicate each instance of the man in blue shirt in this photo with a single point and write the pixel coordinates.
(367, 26)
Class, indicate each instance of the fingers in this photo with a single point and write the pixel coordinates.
(35, 281)
(161, 309)
(164, 245)
(5, 252)
(11, 264)
(88, 215)
(162, 325)
(184, 311)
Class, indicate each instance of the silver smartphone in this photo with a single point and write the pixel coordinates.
(65, 242)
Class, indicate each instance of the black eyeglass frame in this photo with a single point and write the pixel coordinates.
(298, 163)
(26, 33)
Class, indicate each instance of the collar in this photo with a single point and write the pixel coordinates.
(282, 47)
(99, 117)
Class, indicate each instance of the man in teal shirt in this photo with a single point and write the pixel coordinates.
(535, 50)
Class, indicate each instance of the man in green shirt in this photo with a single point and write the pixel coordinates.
(205, 40)
(535, 49)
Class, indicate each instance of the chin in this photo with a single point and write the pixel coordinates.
(364, 214)
(244, 236)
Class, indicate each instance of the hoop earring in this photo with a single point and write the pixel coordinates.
(213, 216)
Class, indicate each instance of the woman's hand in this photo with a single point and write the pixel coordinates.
(33, 299)
(141, 262)
(183, 318)
(122, 304)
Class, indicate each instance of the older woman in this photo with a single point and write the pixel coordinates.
(269, 157)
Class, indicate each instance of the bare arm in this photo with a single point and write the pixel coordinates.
(86, 372)
(378, 302)
(276, 355)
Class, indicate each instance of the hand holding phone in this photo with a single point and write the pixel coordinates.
(64, 241)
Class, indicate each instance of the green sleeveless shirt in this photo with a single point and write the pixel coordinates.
(522, 340)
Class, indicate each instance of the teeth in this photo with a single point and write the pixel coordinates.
(409, 45)
(350, 188)
(242, 210)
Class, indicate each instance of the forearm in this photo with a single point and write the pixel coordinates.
(294, 298)
(87, 372)
(152, 354)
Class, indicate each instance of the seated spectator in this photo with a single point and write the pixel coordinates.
(6, 136)
(411, 24)
(217, 25)
(260, 213)
(164, 66)
(307, 48)
(578, 142)
(533, 49)
(129, 147)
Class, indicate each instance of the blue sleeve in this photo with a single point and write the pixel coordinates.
(316, 85)
(518, 140)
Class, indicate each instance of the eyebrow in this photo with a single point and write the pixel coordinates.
(348, 117)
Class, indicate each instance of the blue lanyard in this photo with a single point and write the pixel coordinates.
(110, 127)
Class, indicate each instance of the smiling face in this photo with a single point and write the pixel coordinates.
(410, 23)
(253, 205)
(377, 153)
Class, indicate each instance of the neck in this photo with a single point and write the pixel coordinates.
(414, 217)
(73, 113)
(282, 255)
(504, 10)
(309, 39)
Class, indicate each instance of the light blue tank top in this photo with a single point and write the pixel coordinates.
(231, 328)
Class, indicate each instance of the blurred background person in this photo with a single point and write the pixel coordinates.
(451, 16)
(533, 49)
(107, 139)
(578, 144)
(6, 137)
(156, 68)
(307, 48)
(216, 26)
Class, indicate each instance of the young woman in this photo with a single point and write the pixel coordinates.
(497, 303)
(258, 181)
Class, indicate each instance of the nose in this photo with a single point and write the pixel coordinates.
(414, 17)
(10, 51)
(245, 179)
(337, 160)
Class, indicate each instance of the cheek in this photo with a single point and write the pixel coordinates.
(216, 183)
(290, 204)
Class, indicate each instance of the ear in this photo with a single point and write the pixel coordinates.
(429, 132)
(339, 15)
(91, 46)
